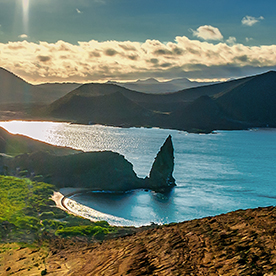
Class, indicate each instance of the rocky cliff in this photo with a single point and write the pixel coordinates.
(91, 170)
(160, 177)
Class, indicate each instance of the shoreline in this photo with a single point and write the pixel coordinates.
(72, 207)
(190, 131)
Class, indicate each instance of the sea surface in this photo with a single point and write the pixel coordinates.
(215, 173)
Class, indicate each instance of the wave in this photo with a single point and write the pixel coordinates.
(94, 215)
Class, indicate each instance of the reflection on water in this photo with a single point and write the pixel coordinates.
(215, 173)
(140, 207)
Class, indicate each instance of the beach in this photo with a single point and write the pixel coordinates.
(63, 201)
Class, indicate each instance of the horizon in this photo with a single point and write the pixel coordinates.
(102, 40)
(204, 81)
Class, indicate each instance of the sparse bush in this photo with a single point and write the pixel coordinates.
(83, 230)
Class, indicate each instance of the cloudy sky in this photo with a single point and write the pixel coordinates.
(99, 40)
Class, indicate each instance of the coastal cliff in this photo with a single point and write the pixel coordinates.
(101, 171)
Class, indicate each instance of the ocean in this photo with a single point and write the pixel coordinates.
(215, 173)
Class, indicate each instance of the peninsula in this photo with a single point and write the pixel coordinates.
(103, 171)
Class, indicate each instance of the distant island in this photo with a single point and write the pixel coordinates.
(232, 105)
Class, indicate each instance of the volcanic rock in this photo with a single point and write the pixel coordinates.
(160, 177)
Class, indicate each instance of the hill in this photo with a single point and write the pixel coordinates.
(114, 105)
(203, 115)
(235, 104)
(239, 104)
(253, 102)
(237, 243)
(14, 90)
(153, 86)
(166, 102)
(109, 108)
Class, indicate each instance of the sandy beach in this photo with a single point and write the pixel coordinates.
(63, 202)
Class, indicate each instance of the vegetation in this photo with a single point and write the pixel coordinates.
(27, 213)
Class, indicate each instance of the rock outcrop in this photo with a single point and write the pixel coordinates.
(161, 174)
(91, 170)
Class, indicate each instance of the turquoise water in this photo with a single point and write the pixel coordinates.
(215, 173)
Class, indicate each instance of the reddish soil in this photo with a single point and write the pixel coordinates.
(237, 243)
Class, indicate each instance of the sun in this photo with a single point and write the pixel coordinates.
(25, 6)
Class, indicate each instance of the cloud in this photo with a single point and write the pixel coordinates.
(78, 11)
(208, 32)
(231, 40)
(250, 20)
(44, 58)
(129, 60)
(110, 52)
(23, 36)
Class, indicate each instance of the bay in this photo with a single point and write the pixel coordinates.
(215, 173)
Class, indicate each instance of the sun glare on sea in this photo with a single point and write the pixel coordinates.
(36, 130)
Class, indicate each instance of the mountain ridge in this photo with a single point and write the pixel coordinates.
(15, 90)
(234, 104)
(195, 109)
(153, 86)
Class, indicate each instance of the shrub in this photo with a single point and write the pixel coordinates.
(83, 230)
(27, 222)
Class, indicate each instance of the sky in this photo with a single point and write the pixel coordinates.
(123, 40)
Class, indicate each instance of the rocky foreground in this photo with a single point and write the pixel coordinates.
(238, 243)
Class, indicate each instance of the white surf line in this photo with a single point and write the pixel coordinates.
(93, 215)
(75, 208)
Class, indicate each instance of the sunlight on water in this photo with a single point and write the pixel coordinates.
(36, 130)
(215, 173)
(128, 142)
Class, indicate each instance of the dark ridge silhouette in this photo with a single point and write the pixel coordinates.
(253, 102)
(166, 100)
(203, 115)
(101, 89)
(14, 90)
(111, 109)
(236, 104)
